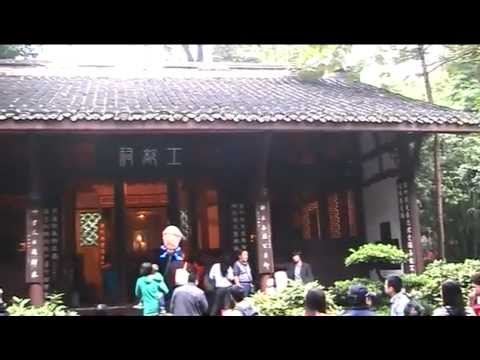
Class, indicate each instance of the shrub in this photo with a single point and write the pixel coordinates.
(376, 254)
(289, 301)
(427, 286)
(53, 306)
(339, 290)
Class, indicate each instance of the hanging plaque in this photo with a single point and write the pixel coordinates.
(34, 247)
(264, 238)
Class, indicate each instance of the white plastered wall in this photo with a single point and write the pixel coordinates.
(380, 199)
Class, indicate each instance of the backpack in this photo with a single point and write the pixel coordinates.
(246, 310)
(413, 307)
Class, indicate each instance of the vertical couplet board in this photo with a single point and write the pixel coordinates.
(264, 238)
(406, 224)
(35, 249)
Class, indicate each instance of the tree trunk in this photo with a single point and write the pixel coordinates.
(186, 48)
(200, 53)
(437, 180)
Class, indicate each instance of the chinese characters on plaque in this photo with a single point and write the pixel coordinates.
(34, 246)
(264, 238)
(51, 226)
(102, 241)
(129, 157)
(406, 223)
(239, 226)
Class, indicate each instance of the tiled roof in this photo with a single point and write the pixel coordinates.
(215, 97)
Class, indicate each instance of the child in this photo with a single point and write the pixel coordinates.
(148, 289)
(161, 297)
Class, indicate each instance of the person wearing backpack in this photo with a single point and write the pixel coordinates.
(221, 275)
(453, 303)
(242, 307)
(398, 299)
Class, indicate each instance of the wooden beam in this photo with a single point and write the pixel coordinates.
(381, 149)
(389, 173)
(153, 126)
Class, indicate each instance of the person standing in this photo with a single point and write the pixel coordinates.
(161, 281)
(299, 270)
(398, 299)
(241, 306)
(453, 303)
(242, 273)
(358, 295)
(189, 299)
(148, 290)
(221, 274)
(315, 303)
(474, 295)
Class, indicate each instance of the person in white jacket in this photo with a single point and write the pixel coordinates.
(221, 274)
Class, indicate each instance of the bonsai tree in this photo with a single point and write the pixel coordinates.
(375, 256)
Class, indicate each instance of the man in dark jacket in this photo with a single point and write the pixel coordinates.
(188, 299)
(299, 270)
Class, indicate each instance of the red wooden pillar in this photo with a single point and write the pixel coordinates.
(34, 234)
(410, 220)
(265, 261)
(119, 238)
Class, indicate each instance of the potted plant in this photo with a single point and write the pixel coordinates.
(376, 257)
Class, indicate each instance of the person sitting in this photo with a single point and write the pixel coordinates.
(241, 306)
(299, 270)
(453, 303)
(358, 295)
(315, 303)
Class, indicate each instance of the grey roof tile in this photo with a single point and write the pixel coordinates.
(207, 99)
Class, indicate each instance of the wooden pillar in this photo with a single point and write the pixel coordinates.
(409, 158)
(34, 253)
(68, 246)
(120, 245)
(415, 225)
(265, 261)
(173, 202)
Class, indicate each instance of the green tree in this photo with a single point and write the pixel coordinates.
(12, 51)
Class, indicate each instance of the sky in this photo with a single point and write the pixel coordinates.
(145, 56)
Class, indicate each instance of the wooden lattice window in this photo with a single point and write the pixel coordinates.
(334, 216)
(352, 214)
(89, 225)
(342, 214)
(311, 221)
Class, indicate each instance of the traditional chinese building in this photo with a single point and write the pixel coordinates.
(94, 166)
